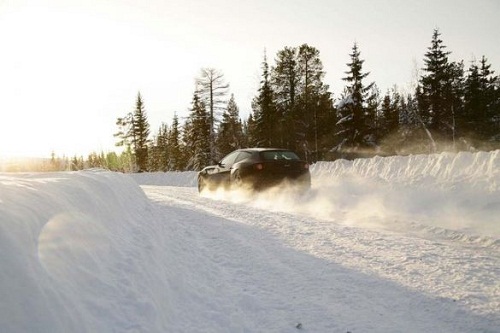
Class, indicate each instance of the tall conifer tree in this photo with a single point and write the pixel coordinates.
(133, 134)
(314, 102)
(356, 111)
(267, 130)
(176, 160)
(481, 111)
(441, 86)
(140, 137)
(285, 80)
(230, 134)
(197, 135)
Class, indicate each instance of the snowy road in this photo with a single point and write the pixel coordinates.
(396, 244)
(330, 273)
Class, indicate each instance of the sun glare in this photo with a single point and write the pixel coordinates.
(54, 79)
(70, 74)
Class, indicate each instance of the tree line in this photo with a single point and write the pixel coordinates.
(451, 109)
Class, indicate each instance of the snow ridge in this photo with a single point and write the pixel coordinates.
(447, 196)
(74, 254)
(479, 170)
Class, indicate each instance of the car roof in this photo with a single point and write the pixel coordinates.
(259, 149)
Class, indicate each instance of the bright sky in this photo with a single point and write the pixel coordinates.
(70, 68)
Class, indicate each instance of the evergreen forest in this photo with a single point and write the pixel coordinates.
(454, 107)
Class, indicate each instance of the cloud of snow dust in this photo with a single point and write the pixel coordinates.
(348, 201)
(436, 200)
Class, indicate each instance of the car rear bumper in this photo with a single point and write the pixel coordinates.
(261, 182)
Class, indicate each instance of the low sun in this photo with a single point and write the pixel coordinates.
(53, 79)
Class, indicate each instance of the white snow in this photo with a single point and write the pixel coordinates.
(345, 101)
(396, 244)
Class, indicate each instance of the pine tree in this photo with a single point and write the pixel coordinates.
(158, 153)
(388, 120)
(163, 147)
(267, 129)
(302, 101)
(385, 114)
(124, 133)
(493, 115)
(432, 98)
(475, 104)
(96, 160)
(197, 136)
(285, 80)
(230, 134)
(176, 160)
(77, 163)
(251, 132)
(140, 134)
(482, 103)
(456, 91)
(409, 125)
(356, 109)
(133, 133)
(314, 101)
(441, 90)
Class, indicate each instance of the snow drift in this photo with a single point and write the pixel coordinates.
(453, 195)
(72, 254)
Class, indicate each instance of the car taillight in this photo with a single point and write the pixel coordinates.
(306, 166)
(259, 166)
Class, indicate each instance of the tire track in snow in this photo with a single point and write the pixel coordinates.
(465, 275)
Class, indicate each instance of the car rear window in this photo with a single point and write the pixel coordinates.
(279, 155)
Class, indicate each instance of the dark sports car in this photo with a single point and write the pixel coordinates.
(256, 169)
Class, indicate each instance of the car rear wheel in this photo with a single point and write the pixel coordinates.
(202, 184)
(237, 181)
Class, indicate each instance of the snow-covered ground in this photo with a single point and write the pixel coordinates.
(397, 244)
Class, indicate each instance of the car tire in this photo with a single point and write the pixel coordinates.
(202, 184)
(237, 181)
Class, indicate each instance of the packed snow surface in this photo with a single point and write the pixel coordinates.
(395, 244)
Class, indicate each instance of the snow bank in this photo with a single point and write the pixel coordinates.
(479, 170)
(183, 179)
(449, 195)
(73, 255)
